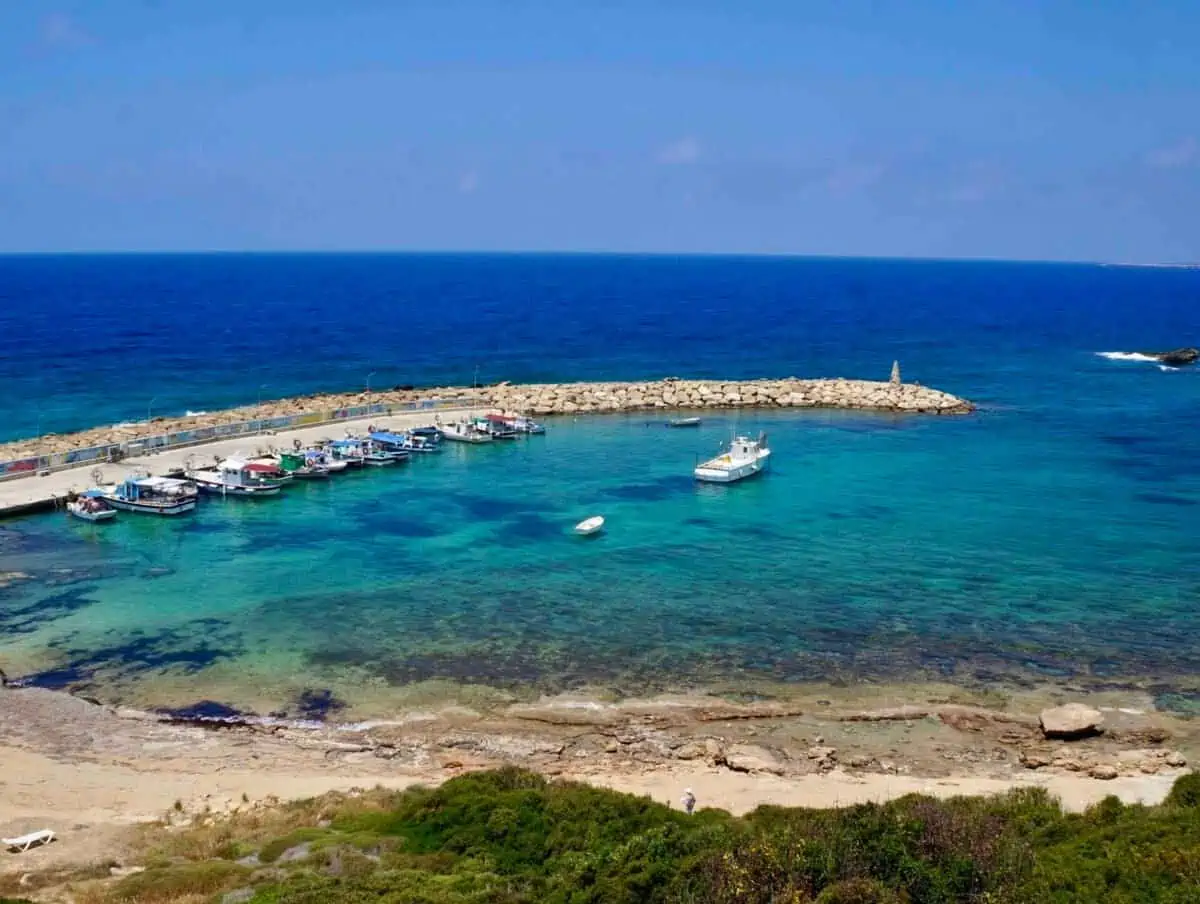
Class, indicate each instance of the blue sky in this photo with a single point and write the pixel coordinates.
(968, 129)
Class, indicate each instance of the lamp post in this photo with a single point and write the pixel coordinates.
(257, 412)
(150, 408)
(371, 374)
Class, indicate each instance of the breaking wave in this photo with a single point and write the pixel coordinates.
(1127, 356)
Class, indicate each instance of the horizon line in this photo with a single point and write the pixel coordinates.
(443, 252)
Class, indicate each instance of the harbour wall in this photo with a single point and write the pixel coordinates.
(107, 444)
(661, 395)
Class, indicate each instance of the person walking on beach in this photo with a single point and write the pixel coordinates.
(688, 800)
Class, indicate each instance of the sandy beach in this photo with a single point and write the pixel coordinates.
(89, 771)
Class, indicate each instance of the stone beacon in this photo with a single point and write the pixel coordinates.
(895, 378)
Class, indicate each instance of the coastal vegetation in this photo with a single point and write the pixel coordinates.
(511, 836)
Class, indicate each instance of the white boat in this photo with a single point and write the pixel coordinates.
(346, 452)
(234, 477)
(420, 444)
(149, 495)
(590, 526)
(390, 444)
(745, 457)
(494, 426)
(91, 508)
(464, 432)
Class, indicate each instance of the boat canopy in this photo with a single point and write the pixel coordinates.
(385, 437)
(93, 493)
(157, 483)
(261, 468)
(346, 443)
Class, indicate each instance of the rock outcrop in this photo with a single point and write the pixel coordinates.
(1179, 357)
(1071, 721)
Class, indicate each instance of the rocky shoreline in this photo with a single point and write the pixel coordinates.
(543, 400)
(942, 733)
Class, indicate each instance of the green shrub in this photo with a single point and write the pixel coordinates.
(1185, 792)
(511, 837)
(181, 880)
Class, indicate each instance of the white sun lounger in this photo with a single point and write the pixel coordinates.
(25, 842)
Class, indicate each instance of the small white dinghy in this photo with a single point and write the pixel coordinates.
(590, 526)
(91, 508)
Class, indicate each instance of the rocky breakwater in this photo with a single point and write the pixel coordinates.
(588, 398)
(539, 399)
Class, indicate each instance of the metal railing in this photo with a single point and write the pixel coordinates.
(27, 467)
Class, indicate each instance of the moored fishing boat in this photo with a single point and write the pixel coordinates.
(684, 422)
(745, 457)
(301, 466)
(91, 507)
(496, 429)
(464, 432)
(149, 495)
(269, 468)
(515, 423)
(347, 452)
(234, 477)
(390, 444)
(320, 456)
(422, 445)
(524, 424)
(368, 453)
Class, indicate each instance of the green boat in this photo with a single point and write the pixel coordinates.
(302, 466)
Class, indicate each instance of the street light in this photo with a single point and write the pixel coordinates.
(371, 374)
(150, 408)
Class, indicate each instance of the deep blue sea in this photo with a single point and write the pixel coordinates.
(1050, 537)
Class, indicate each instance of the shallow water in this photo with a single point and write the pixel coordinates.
(1050, 537)
(876, 547)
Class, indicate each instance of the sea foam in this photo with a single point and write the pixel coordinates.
(1127, 356)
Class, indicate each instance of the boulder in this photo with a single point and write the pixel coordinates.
(1071, 721)
(751, 758)
(714, 752)
(1104, 771)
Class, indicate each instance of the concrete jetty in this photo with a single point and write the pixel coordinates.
(46, 492)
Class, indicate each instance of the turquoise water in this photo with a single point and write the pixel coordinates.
(1050, 537)
(877, 547)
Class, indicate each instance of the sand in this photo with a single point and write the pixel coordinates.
(89, 772)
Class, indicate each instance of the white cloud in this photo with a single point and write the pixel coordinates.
(1182, 153)
(468, 182)
(685, 150)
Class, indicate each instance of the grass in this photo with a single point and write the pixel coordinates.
(512, 837)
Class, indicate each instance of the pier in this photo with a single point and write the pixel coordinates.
(37, 493)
